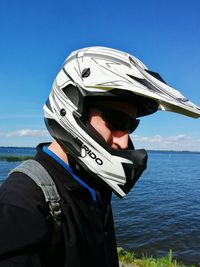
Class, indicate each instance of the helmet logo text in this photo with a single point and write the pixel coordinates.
(88, 152)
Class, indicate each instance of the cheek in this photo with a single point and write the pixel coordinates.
(99, 125)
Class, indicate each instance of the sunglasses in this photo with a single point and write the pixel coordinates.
(118, 120)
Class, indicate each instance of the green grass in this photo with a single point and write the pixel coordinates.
(128, 258)
(14, 158)
(125, 256)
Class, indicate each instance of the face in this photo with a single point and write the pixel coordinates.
(115, 135)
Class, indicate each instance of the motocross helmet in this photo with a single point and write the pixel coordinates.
(96, 74)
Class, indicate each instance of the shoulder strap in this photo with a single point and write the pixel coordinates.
(41, 177)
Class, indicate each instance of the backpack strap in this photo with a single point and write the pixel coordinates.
(41, 177)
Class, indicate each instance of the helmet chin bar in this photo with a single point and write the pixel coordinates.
(134, 171)
(133, 168)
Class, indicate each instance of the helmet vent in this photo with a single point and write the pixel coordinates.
(85, 73)
(156, 75)
(132, 61)
(144, 82)
(71, 92)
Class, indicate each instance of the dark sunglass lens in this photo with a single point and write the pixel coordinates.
(119, 121)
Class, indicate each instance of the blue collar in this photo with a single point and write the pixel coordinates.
(67, 167)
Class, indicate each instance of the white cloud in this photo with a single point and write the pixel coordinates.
(26, 133)
(156, 142)
(176, 142)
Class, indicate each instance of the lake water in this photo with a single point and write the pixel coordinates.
(162, 211)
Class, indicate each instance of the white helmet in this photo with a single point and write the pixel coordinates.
(98, 73)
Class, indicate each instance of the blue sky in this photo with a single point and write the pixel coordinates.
(36, 36)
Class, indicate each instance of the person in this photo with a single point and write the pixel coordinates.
(94, 106)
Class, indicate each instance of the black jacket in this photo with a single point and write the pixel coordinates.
(87, 235)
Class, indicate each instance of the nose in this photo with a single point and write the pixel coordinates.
(120, 140)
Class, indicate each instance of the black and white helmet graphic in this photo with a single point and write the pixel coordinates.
(98, 73)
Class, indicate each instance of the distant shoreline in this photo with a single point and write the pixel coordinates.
(175, 151)
(149, 150)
